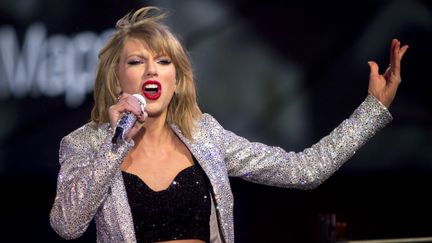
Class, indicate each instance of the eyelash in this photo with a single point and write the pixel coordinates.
(162, 62)
(134, 62)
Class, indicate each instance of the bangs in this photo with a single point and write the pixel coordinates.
(159, 46)
(159, 41)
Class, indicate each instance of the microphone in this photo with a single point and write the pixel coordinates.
(126, 122)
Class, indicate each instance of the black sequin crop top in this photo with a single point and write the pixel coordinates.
(182, 211)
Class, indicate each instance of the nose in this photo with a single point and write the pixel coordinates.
(151, 70)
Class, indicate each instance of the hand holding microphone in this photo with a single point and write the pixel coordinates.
(129, 110)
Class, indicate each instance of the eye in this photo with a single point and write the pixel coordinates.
(134, 62)
(164, 61)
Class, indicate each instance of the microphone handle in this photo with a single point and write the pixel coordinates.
(123, 126)
(127, 121)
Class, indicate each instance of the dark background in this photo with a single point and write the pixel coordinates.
(322, 48)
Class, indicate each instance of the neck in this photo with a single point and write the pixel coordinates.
(154, 136)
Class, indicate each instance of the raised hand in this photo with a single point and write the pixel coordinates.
(127, 102)
(384, 86)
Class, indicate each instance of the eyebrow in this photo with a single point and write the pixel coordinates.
(135, 55)
(144, 57)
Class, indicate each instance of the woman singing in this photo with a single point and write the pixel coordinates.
(167, 180)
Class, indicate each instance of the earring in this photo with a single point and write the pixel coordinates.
(120, 95)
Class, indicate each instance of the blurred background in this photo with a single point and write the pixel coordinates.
(284, 73)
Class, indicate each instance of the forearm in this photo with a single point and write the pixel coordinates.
(83, 183)
(274, 166)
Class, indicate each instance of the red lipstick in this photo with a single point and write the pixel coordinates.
(152, 89)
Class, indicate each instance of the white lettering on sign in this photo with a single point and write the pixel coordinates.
(58, 65)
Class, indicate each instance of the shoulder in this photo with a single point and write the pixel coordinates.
(89, 133)
(207, 127)
(207, 120)
(208, 124)
(86, 130)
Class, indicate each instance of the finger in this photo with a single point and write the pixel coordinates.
(399, 55)
(402, 51)
(374, 69)
(132, 105)
(392, 50)
(387, 72)
(122, 106)
(395, 53)
(118, 108)
(123, 96)
(142, 117)
(115, 111)
(129, 103)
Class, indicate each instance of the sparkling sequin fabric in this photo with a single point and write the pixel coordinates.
(181, 211)
(90, 183)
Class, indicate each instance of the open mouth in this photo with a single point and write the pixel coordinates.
(152, 89)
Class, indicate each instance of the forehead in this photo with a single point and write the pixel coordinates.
(133, 44)
(139, 45)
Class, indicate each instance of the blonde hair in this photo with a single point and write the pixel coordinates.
(145, 23)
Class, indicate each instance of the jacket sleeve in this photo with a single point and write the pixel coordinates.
(274, 166)
(88, 163)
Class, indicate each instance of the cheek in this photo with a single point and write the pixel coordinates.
(172, 75)
(129, 81)
(172, 82)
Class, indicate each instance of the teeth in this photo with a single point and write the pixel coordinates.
(151, 86)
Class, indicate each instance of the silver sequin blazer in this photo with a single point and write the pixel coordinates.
(90, 184)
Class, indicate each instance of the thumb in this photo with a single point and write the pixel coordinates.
(374, 69)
